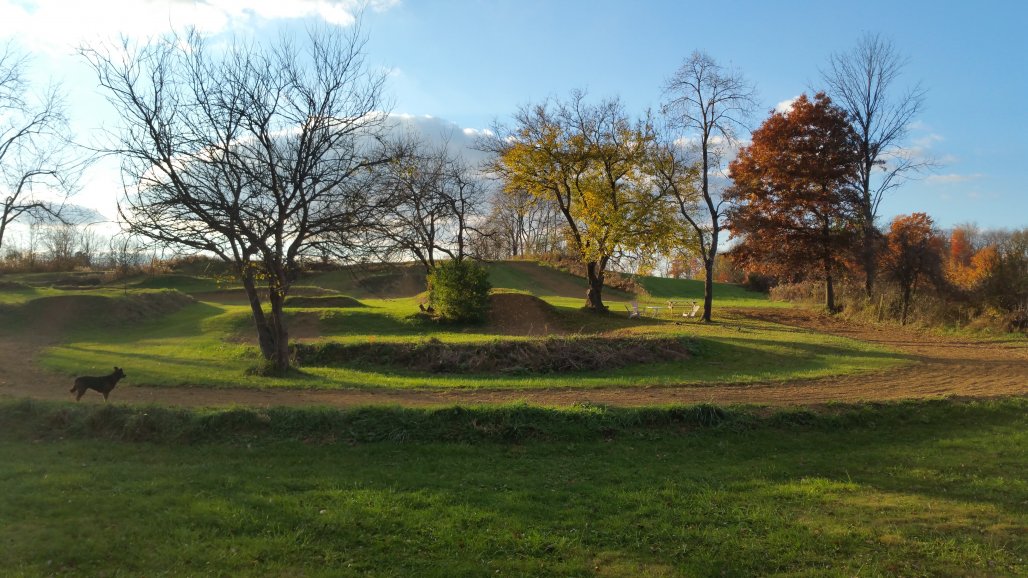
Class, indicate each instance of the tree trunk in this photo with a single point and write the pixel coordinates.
(3, 228)
(906, 305)
(709, 261)
(594, 295)
(708, 288)
(869, 258)
(829, 294)
(826, 239)
(265, 336)
(280, 336)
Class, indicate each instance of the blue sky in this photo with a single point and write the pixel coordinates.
(473, 62)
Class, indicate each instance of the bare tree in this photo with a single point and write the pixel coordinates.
(89, 246)
(61, 241)
(863, 82)
(520, 224)
(37, 167)
(253, 152)
(124, 255)
(710, 103)
(427, 196)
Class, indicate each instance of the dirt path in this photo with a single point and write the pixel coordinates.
(943, 366)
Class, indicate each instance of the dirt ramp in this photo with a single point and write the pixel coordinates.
(521, 314)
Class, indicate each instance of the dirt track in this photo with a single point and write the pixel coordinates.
(942, 367)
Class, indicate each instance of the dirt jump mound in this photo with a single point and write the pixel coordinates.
(521, 314)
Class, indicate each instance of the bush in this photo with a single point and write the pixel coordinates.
(459, 290)
(759, 283)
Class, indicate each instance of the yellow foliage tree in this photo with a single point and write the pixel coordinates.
(588, 160)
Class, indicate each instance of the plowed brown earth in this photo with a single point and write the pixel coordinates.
(943, 367)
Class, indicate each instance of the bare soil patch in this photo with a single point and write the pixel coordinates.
(943, 366)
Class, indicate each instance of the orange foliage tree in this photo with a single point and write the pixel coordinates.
(793, 205)
(966, 266)
(913, 253)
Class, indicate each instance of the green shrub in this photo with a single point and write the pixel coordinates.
(459, 290)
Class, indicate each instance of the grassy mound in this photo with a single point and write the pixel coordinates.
(51, 314)
(183, 283)
(237, 295)
(78, 282)
(322, 301)
(13, 286)
(551, 355)
(375, 281)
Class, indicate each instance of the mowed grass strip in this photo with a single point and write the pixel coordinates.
(931, 488)
(210, 344)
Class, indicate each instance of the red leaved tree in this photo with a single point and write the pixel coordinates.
(793, 205)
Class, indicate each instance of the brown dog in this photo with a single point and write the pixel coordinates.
(104, 384)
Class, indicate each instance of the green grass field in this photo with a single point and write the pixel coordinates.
(203, 344)
(915, 489)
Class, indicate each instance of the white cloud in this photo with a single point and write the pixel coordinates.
(786, 105)
(61, 25)
(919, 150)
(926, 141)
(953, 178)
(438, 130)
(477, 132)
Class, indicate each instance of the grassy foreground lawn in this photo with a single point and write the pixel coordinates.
(202, 345)
(932, 488)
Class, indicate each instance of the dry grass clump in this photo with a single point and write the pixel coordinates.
(538, 356)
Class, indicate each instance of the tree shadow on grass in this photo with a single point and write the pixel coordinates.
(755, 345)
(186, 369)
(147, 358)
(712, 499)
